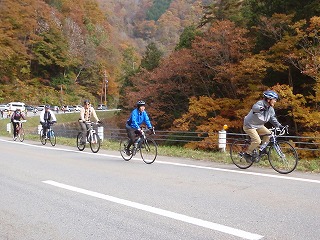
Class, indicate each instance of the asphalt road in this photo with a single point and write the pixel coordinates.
(61, 193)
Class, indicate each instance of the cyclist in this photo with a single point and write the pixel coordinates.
(47, 117)
(17, 115)
(137, 117)
(260, 113)
(85, 115)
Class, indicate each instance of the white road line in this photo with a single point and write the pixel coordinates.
(285, 177)
(161, 212)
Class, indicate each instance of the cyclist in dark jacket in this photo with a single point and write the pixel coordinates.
(138, 116)
(260, 113)
(18, 116)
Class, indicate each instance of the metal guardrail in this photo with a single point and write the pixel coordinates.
(183, 137)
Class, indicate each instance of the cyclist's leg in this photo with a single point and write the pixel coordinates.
(44, 129)
(255, 138)
(14, 124)
(131, 135)
(84, 132)
(265, 133)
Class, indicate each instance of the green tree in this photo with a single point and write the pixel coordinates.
(151, 58)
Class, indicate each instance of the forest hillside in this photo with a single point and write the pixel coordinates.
(199, 64)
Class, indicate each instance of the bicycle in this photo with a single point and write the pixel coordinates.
(146, 146)
(91, 137)
(19, 130)
(49, 135)
(281, 155)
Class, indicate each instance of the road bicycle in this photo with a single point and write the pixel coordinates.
(91, 137)
(49, 135)
(281, 155)
(19, 130)
(146, 146)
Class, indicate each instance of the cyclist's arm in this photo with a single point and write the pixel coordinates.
(53, 117)
(94, 114)
(147, 120)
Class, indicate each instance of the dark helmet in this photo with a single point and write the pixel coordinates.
(18, 110)
(47, 106)
(271, 94)
(86, 101)
(140, 103)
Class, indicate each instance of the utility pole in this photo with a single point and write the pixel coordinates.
(105, 87)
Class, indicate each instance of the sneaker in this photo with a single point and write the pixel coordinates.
(128, 152)
(15, 138)
(247, 157)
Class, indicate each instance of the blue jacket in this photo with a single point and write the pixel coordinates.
(137, 118)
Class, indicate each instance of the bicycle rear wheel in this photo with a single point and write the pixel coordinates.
(283, 157)
(148, 150)
(43, 139)
(94, 142)
(21, 134)
(81, 143)
(125, 154)
(52, 137)
(237, 150)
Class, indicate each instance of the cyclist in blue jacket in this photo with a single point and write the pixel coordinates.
(138, 116)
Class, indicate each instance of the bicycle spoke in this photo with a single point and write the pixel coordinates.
(94, 142)
(21, 134)
(283, 157)
(81, 142)
(52, 138)
(148, 150)
(43, 139)
(237, 149)
(126, 154)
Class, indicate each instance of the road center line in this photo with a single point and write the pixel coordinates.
(161, 212)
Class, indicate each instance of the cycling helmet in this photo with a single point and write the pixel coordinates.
(47, 106)
(140, 103)
(270, 94)
(86, 101)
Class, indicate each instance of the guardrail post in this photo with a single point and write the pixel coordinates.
(100, 133)
(9, 127)
(39, 128)
(223, 138)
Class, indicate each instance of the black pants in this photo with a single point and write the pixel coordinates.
(45, 126)
(15, 125)
(132, 135)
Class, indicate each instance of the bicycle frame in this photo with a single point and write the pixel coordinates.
(146, 146)
(281, 154)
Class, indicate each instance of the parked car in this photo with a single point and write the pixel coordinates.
(77, 107)
(30, 108)
(4, 107)
(71, 108)
(102, 107)
(41, 107)
(54, 108)
(12, 106)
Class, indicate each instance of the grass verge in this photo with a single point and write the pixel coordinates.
(312, 165)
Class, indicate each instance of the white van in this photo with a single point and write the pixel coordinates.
(12, 106)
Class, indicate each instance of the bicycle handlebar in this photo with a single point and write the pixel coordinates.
(280, 131)
(19, 121)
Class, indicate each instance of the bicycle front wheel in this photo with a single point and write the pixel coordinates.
(43, 139)
(148, 150)
(94, 142)
(52, 138)
(237, 150)
(81, 141)
(125, 153)
(283, 157)
(21, 134)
